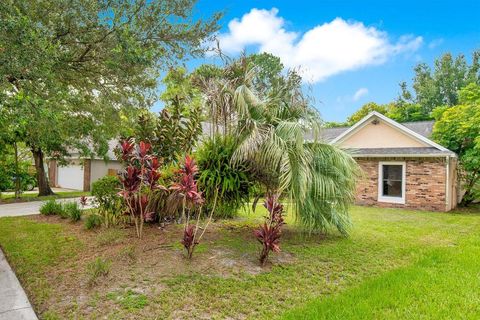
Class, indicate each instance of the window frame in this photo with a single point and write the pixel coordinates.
(390, 199)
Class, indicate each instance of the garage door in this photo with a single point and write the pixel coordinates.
(70, 177)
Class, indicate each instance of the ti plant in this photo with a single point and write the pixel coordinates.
(269, 233)
(186, 189)
(139, 179)
(83, 201)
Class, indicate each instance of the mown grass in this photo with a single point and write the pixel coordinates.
(442, 284)
(396, 264)
(33, 249)
(25, 197)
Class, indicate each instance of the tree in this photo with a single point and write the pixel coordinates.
(440, 86)
(74, 70)
(405, 112)
(270, 126)
(457, 128)
(364, 110)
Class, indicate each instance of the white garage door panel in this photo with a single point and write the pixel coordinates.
(70, 177)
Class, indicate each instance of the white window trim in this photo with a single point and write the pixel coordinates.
(388, 199)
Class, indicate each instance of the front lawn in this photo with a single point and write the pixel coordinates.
(396, 264)
(25, 197)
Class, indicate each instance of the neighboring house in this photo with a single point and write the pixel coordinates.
(402, 167)
(80, 173)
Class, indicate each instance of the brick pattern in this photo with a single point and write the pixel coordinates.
(425, 184)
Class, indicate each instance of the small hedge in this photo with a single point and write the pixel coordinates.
(73, 211)
(51, 207)
(93, 221)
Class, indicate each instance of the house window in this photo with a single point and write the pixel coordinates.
(391, 182)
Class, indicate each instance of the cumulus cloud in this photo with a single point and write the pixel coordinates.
(320, 52)
(362, 92)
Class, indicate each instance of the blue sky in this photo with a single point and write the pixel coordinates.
(351, 52)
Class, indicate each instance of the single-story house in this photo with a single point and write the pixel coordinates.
(80, 173)
(402, 167)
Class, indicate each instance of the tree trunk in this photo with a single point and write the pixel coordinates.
(17, 175)
(42, 181)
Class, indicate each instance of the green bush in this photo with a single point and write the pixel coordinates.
(93, 221)
(73, 211)
(217, 173)
(51, 207)
(105, 191)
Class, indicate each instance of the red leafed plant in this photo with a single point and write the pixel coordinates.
(270, 232)
(186, 188)
(83, 201)
(139, 179)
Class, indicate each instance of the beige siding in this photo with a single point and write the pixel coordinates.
(99, 169)
(380, 135)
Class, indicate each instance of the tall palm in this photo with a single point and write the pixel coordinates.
(272, 131)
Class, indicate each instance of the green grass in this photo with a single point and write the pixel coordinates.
(24, 197)
(33, 249)
(396, 264)
(128, 299)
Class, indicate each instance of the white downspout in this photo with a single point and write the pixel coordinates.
(447, 185)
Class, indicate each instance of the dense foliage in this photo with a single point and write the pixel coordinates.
(51, 207)
(73, 73)
(138, 180)
(271, 130)
(458, 129)
(219, 175)
(105, 191)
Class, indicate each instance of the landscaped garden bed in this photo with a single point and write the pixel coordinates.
(70, 272)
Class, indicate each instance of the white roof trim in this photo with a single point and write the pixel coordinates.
(401, 155)
(360, 124)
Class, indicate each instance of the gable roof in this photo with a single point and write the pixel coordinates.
(419, 131)
(423, 128)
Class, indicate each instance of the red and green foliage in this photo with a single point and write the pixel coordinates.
(270, 232)
(139, 179)
(186, 188)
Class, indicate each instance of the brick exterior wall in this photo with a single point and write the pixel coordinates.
(425, 183)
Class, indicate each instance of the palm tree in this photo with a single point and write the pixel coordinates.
(278, 133)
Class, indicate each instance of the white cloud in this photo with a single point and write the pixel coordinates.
(362, 92)
(320, 52)
(435, 43)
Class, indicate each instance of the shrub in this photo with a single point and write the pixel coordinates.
(105, 191)
(269, 233)
(217, 173)
(72, 211)
(93, 221)
(97, 268)
(51, 207)
(139, 180)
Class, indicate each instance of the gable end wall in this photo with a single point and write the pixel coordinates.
(425, 183)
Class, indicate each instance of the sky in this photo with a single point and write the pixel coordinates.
(349, 52)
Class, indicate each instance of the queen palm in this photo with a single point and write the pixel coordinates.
(278, 133)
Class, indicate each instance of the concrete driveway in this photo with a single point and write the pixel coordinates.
(33, 207)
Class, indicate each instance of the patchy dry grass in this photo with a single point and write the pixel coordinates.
(151, 279)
